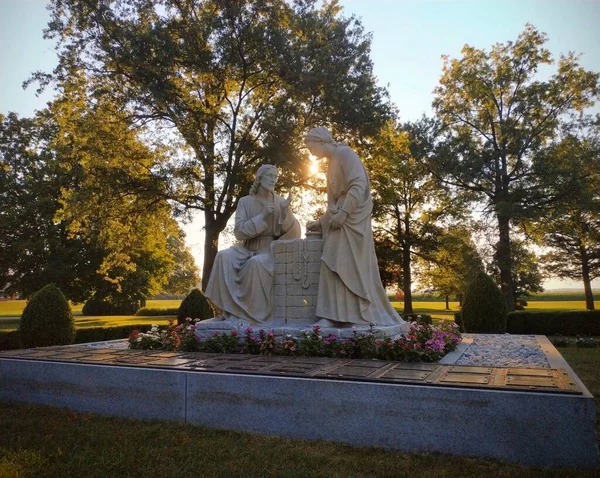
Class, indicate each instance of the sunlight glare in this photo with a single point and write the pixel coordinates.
(314, 165)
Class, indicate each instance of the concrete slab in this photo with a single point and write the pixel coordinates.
(535, 427)
(104, 389)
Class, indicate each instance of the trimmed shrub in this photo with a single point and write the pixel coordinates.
(100, 334)
(578, 322)
(47, 319)
(97, 306)
(484, 310)
(10, 340)
(148, 312)
(196, 306)
(419, 318)
(458, 319)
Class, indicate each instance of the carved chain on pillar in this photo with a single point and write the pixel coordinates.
(300, 261)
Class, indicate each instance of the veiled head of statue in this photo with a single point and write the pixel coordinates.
(319, 134)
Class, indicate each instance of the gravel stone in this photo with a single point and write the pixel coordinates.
(504, 350)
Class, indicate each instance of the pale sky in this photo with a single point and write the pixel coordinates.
(409, 38)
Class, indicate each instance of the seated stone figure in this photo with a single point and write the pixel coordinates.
(241, 280)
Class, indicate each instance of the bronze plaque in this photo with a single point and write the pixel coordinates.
(405, 374)
(467, 379)
(467, 369)
(348, 371)
(429, 367)
(170, 362)
(529, 372)
(531, 381)
(99, 358)
(374, 364)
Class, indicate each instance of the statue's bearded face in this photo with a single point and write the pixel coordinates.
(269, 179)
(316, 147)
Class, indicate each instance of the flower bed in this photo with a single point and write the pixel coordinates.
(423, 343)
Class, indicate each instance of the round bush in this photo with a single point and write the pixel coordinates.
(47, 319)
(97, 306)
(196, 306)
(484, 310)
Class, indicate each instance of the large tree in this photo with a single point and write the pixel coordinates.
(35, 249)
(79, 204)
(571, 230)
(408, 202)
(235, 83)
(499, 114)
(455, 262)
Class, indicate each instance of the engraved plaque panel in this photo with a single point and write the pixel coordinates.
(416, 366)
(531, 381)
(351, 371)
(403, 374)
(530, 372)
(374, 364)
(170, 362)
(465, 378)
(465, 369)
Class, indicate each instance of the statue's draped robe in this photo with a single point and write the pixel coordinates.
(350, 288)
(241, 280)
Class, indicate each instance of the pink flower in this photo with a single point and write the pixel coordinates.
(234, 333)
(271, 334)
(249, 330)
(317, 327)
(292, 348)
(188, 319)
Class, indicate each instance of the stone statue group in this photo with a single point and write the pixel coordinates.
(350, 291)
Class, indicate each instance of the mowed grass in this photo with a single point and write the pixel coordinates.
(11, 310)
(48, 442)
(438, 309)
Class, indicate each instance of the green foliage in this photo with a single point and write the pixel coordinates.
(185, 274)
(98, 306)
(235, 83)
(220, 343)
(498, 116)
(408, 202)
(526, 274)
(47, 319)
(10, 340)
(195, 306)
(484, 310)
(454, 262)
(571, 229)
(150, 312)
(37, 249)
(552, 323)
(101, 334)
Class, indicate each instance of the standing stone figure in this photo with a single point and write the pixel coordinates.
(350, 288)
(241, 280)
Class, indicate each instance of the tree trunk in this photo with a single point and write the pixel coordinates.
(587, 286)
(407, 280)
(212, 229)
(447, 302)
(504, 262)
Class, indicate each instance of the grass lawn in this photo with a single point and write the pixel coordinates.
(11, 310)
(438, 309)
(48, 442)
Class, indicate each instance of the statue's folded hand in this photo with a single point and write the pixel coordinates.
(313, 225)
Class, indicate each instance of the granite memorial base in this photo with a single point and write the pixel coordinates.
(514, 415)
